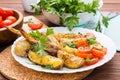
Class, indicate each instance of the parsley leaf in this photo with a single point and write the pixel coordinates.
(49, 31)
(71, 22)
(40, 46)
(48, 67)
(105, 21)
(87, 59)
(91, 40)
(73, 45)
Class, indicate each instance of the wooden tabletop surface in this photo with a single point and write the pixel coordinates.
(109, 71)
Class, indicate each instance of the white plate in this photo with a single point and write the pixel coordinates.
(104, 40)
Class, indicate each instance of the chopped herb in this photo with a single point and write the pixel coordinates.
(73, 45)
(91, 40)
(40, 46)
(79, 33)
(87, 59)
(29, 21)
(48, 67)
(49, 31)
(105, 21)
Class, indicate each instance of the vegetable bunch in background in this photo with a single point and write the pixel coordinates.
(73, 7)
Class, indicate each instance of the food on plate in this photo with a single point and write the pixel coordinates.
(53, 62)
(22, 48)
(70, 60)
(6, 17)
(57, 50)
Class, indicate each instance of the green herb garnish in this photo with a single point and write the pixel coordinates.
(87, 59)
(91, 40)
(49, 31)
(48, 67)
(40, 47)
(70, 44)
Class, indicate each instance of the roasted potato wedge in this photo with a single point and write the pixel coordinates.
(22, 47)
(55, 63)
(70, 60)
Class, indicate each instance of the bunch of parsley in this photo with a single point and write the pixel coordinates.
(74, 7)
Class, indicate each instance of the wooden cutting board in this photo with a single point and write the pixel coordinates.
(15, 71)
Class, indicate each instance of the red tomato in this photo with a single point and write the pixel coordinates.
(34, 26)
(12, 18)
(1, 26)
(0, 18)
(82, 42)
(92, 61)
(98, 53)
(6, 12)
(84, 55)
(6, 23)
(84, 49)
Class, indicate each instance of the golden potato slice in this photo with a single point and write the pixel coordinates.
(34, 57)
(22, 47)
(55, 63)
(71, 61)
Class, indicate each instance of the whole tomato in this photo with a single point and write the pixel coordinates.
(6, 23)
(12, 18)
(6, 12)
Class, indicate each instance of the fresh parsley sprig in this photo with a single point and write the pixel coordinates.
(40, 47)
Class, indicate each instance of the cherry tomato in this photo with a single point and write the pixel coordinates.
(92, 61)
(6, 23)
(98, 53)
(84, 49)
(6, 12)
(34, 26)
(12, 18)
(85, 55)
(1, 26)
(0, 18)
(82, 42)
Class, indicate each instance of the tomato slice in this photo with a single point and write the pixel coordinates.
(92, 61)
(34, 26)
(6, 23)
(84, 49)
(82, 42)
(98, 53)
(85, 55)
(12, 18)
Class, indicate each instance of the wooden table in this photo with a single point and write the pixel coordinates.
(109, 71)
